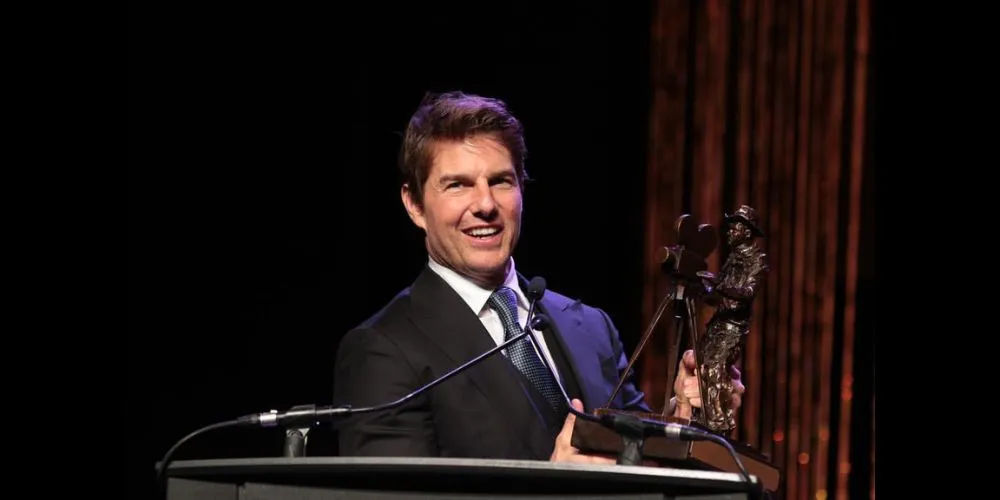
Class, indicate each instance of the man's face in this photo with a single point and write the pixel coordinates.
(472, 208)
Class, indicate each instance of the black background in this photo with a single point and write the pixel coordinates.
(264, 212)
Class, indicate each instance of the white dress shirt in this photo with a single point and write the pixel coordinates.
(476, 297)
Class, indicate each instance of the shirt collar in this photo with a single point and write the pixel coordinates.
(474, 295)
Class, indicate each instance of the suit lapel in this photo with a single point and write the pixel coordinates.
(449, 323)
(568, 325)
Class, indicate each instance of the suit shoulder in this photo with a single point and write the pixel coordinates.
(383, 331)
(396, 309)
(566, 303)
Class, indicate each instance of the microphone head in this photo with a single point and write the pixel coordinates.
(540, 321)
(536, 288)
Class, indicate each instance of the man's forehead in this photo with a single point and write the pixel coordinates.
(476, 144)
(471, 155)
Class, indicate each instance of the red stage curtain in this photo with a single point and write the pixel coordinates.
(767, 103)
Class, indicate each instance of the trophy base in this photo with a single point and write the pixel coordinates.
(706, 455)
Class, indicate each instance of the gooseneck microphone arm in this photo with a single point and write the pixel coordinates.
(307, 416)
(312, 415)
(632, 429)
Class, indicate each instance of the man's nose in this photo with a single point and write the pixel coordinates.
(484, 202)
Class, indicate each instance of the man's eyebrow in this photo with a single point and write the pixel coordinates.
(451, 177)
(447, 178)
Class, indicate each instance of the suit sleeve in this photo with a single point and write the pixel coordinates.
(370, 370)
(631, 397)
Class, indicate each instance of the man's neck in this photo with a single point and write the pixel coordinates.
(476, 293)
(486, 282)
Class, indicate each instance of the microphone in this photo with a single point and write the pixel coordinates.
(534, 293)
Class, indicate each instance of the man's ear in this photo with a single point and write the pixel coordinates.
(414, 210)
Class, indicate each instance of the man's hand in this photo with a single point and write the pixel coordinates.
(565, 451)
(688, 392)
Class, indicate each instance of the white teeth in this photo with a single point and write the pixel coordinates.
(484, 231)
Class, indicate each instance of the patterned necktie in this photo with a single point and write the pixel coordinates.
(522, 353)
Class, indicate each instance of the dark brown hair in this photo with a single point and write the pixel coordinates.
(454, 116)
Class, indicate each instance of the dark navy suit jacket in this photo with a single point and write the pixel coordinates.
(488, 411)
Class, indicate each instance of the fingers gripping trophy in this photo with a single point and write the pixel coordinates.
(731, 292)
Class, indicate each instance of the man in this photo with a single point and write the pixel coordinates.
(462, 162)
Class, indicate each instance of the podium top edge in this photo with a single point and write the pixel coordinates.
(193, 468)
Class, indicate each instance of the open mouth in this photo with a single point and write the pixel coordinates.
(483, 232)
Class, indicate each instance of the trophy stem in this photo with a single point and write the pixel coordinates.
(692, 316)
(673, 356)
(664, 303)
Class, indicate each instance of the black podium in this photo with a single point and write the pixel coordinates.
(323, 478)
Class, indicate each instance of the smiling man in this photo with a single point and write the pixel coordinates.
(463, 166)
(469, 205)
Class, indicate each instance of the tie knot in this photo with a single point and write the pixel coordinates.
(504, 300)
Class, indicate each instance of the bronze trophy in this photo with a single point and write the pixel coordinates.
(691, 284)
(732, 294)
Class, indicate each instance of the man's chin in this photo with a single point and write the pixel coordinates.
(492, 270)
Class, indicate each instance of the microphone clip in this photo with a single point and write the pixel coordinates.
(633, 435)
(297, 436)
